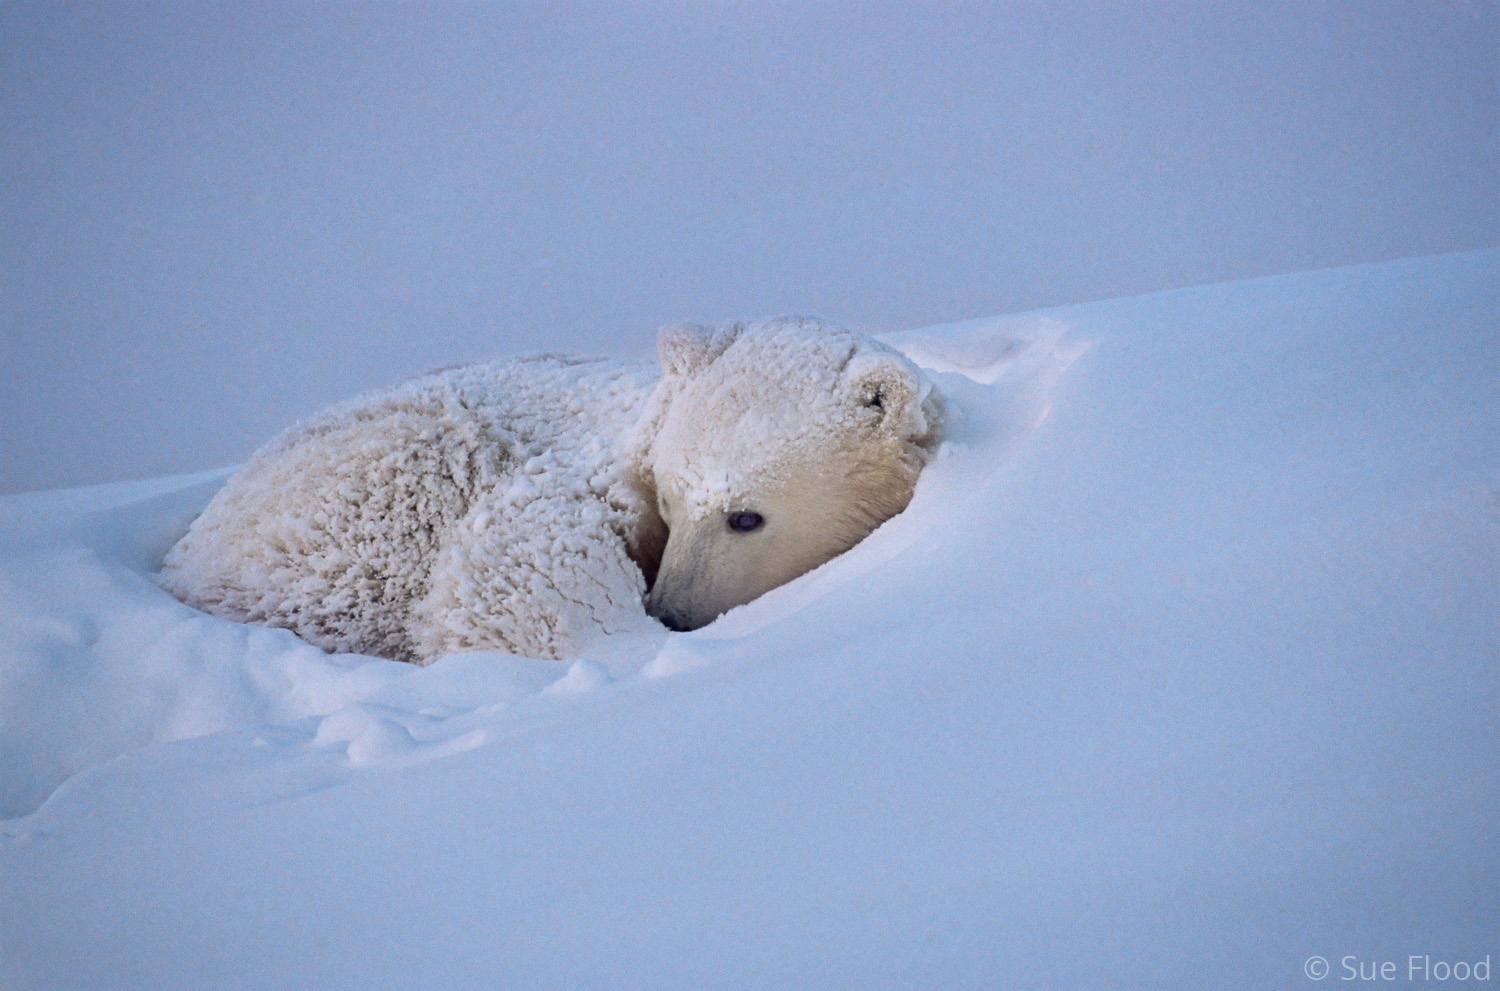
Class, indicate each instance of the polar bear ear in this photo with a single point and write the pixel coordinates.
(686, 348)
(890, 385)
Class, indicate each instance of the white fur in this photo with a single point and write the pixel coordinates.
(819, 431)
(484, 507)
(514, 505)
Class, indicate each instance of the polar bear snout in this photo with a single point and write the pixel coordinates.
(674, 622)
(699, 578)
(672, 615)
(716, 560)
(678, 619)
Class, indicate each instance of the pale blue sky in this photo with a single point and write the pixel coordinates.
(215, 220)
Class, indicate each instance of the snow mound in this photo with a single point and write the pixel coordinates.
(1180, 671)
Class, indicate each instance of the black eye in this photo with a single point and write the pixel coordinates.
(745, 522)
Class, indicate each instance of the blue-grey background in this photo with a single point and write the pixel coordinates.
(217, 218)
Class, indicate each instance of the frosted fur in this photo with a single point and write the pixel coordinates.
(820, 431)
(755, 403)
(483, 507)
(523, 505)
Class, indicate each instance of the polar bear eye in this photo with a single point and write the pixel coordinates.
(745, 522)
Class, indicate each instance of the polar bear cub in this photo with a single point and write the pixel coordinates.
(533, 505)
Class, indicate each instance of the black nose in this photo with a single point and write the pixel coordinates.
(672, 621)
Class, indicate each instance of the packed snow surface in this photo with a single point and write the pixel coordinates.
(1179, 671)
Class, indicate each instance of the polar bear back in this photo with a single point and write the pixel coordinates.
(332, 529)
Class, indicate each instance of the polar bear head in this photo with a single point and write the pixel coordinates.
(774, 447)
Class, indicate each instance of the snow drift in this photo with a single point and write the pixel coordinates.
(1179, 671)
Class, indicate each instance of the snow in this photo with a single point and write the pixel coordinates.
(1179, 670)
